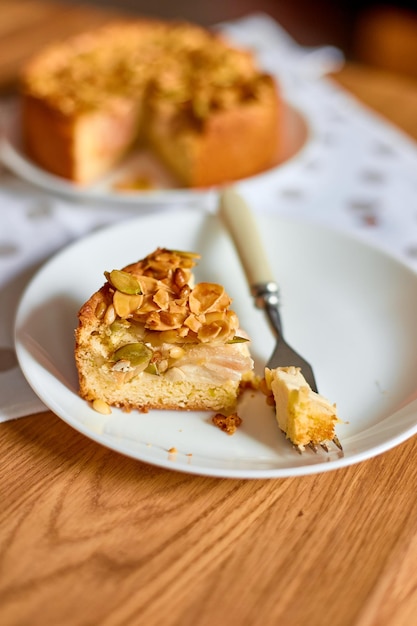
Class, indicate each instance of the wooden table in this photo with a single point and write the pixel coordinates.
(90, 537)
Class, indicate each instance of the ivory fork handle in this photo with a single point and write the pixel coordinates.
(241, 224)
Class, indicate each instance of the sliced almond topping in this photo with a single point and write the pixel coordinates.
(124, 304)
(147, 306)
(208, 297)
(161, 298)
(193, 323)
(218, 329)
(101, 407)
(148, 284)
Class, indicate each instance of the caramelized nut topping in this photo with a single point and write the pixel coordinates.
(207, 297)
(180, 278)
(168, 304)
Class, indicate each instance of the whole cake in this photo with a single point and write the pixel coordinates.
(201, 104)
(152, 339)
(306, 417)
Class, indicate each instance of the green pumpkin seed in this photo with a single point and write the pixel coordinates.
(152, 369)
(135, 353)
(119, 325)
(237, 339)
(187, 255)
(124, 282)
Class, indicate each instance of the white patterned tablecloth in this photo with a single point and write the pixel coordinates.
(356, 173)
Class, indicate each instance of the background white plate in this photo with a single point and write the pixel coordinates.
(348, 308)
(296, 133)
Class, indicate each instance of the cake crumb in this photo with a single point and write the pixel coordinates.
(173, 450)
(227, 423)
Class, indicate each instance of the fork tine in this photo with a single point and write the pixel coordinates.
(337, 443)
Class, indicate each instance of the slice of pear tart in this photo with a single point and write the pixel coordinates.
(150, 338)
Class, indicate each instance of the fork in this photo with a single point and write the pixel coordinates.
(241, 224)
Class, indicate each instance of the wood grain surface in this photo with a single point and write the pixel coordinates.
(90, 537)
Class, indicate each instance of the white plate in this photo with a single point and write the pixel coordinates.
(297, 133)
(348, 308)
